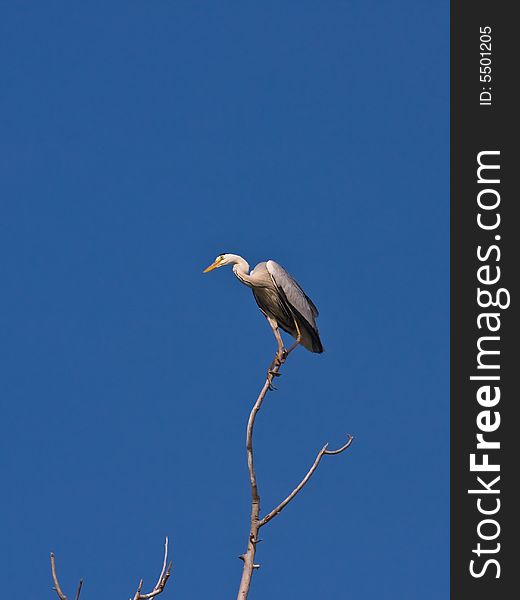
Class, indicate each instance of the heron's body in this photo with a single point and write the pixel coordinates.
(279, 297)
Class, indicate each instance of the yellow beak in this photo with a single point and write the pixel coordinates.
(211, 267)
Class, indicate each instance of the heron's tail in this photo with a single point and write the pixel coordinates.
(310, 337)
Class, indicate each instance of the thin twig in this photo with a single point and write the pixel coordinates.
(161, 582)
(342, 449)
(78, 591)
(276, 511)
(159, 586)
(57, 587)
(165, 559)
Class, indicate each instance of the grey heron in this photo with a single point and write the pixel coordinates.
(280, 298)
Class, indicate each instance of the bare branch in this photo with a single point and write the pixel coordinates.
(78, 591)
(161, 582)
(57, 587)
(138, 593)
(165, 559)
(343, 448)
(276, 511)
(159, 586)
(248, 557)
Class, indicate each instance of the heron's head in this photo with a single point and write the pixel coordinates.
(220, 261)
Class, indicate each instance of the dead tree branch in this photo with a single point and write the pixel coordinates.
(256, 523)
(276, 511)
(57, 587)
(249, 556)
(159, 586)
(161, 582)
(78, 591)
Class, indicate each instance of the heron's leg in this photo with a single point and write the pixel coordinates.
(298, 338)
(282, 352)
(296, 343)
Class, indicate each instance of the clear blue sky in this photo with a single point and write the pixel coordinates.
(138, 141)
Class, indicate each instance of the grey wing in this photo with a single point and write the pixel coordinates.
(293, 292)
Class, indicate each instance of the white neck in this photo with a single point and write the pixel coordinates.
(240, 268)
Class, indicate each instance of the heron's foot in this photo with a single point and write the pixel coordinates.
(273, 373)
(270, 376)
(281, 355)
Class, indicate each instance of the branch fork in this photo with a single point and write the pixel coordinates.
(159, 586)
(255, 521)
(161, 582)
(57, 587)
